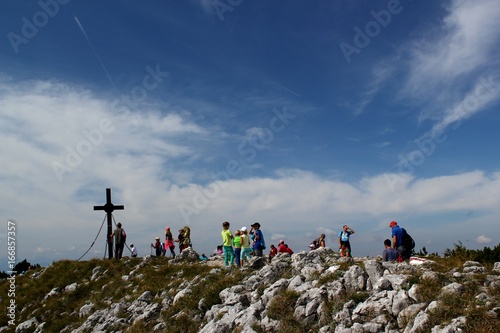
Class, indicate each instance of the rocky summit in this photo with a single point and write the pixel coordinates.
(315, 291)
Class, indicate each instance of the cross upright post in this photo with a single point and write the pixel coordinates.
(109, 208)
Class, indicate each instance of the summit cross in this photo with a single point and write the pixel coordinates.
(109, 208)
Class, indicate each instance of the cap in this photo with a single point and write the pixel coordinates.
(256, 224)
(157, 238)
(244, 229)
(167, 228)
(393, 223)
(281, 241)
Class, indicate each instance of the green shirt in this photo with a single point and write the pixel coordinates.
(227, 237)
(237, 241)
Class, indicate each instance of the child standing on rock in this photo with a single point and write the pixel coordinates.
(227, 245)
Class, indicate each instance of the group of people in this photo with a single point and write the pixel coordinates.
(395, 248)
(343, 239)
(238, 247)
(184, 240)
(398, 250)
(282, 248)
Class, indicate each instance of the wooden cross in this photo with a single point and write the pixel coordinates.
(109, 208)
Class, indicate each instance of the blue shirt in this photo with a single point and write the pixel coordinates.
(396, 231)
(344, 235)
(390, 254)
(258, 244)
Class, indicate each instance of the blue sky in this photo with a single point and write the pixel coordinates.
(300, 115)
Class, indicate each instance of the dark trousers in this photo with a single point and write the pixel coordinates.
(119, 250)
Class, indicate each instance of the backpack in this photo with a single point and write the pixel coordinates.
(187, 236)
(408, 241)
(120, 236)
(261, 239)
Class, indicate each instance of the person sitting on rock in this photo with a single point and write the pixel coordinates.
(272, 252)
(389, 254)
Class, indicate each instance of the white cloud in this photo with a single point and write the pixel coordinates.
(483, 94)
(40, 250)
(483, 240)
(464, 43)
(39, 119)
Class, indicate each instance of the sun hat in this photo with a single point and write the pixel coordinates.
(244, 229)
(392, 224)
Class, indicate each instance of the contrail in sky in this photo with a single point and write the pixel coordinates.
(95, 53)
(289, 90)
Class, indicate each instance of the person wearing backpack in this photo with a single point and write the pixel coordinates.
(398, 235)
(120, 239)
(258, 243)
(344, 242)
(157, 246)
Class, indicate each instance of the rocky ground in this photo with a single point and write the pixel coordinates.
(314, 291)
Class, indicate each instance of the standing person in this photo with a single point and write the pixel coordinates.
(237, 247)
(345, 240)
(133, 251)
(157, 246)
(227, 245)
(397, 240)
(389, 254)
(246, 249)
(169, 242)
(180, 240)
(258, 243)
(120, 237)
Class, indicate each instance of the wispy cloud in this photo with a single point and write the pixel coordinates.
(462, 45)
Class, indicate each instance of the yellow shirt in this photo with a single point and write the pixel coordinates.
(227, 237)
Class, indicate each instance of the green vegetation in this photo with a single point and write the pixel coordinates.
(282, 308)
(483, 256)
(103, 282)
(155, 276)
